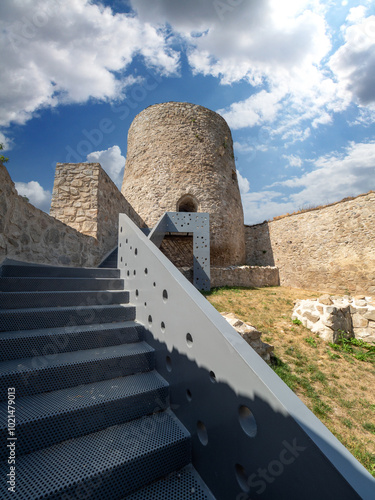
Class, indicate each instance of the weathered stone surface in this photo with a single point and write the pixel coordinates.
(251, 335)
(247, 276)
(179, 153)
(366, 334)
(326, 300)
(370, 315)
(311, 317)
(359, 321)
(30, 235)
(330, 248)
(85, 198)
(340, 318)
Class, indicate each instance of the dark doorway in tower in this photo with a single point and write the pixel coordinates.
(187, 203)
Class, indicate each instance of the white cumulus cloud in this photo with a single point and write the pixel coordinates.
(333, 177)
(354, 62)
(293, 160)
(112, 161)
(243, 183)
(37, 195)
(69, 51)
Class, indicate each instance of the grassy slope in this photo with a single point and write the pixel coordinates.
(333, 383)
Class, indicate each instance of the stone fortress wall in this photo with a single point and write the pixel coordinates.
(30, 235)
(180, 158)
(331, 248)
(86, 199)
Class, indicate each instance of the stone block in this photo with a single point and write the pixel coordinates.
(370, 315)
(70, 211)
(326, 300)
(251, 335)
(311, 317)
(365, 334)
(89, 227)
(359, 321)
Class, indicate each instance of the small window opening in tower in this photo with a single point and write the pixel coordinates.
(187, 203)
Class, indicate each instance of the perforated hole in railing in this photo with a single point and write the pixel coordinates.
(242, 478)
(149, 319)
(146, 270)
(136, 251)
(162, 326)
(165, 295)
(202, 433)
(212, 376)
(247, 421)
(137, 293)
(189, 340)
(168, 363)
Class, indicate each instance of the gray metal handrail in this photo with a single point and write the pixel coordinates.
(251, 435)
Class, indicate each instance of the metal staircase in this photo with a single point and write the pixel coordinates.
(92, 415)
(127, 384)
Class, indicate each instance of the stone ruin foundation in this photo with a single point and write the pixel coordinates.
(333, 316)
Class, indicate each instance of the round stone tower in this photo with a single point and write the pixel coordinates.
(180, 159)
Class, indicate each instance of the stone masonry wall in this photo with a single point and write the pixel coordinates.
(85, 198)
(30, 235)
(248, 276)
(329, 249)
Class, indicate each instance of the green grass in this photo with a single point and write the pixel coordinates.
(335, 381)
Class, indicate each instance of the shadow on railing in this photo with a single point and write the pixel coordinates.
(252, 436)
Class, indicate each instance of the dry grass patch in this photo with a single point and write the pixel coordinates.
(336, 385)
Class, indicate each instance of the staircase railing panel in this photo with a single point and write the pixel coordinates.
(252, 436)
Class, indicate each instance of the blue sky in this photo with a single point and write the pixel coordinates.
(295, 81)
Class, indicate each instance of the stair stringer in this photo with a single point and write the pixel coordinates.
(251, 435)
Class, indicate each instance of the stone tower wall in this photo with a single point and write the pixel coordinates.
(178, 149)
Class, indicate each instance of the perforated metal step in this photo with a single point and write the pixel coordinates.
(91, 412)
(53, 317)
(185, 484)
(46, 419)
(105, 465)
(42, 374)
(17, 300)
(14, 284)
(51, 341)
(8, 270)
